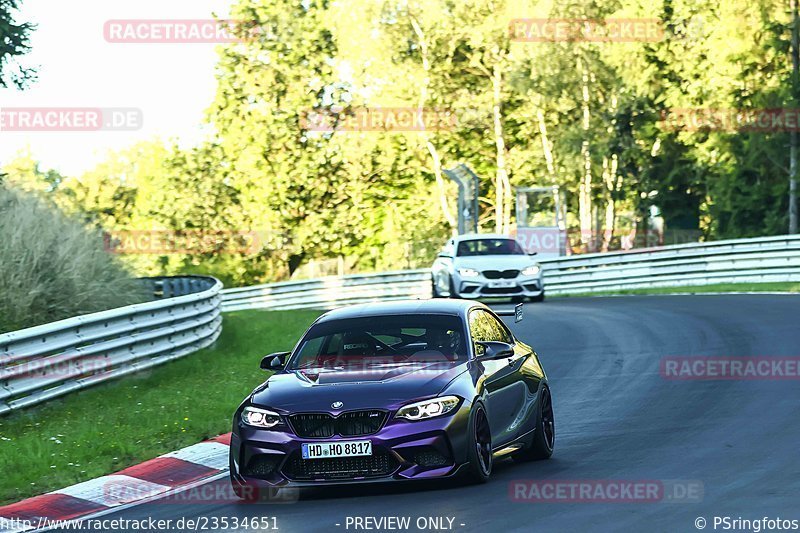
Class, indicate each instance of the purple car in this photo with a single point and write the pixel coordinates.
(393, 391)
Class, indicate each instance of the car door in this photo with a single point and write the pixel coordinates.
(505, 389)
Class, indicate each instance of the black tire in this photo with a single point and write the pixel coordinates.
(453, 293)
(434, 291)
(517, 299)
(479, 453)
(539, 298)
(544, 436)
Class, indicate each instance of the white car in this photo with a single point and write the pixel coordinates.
(486, 266)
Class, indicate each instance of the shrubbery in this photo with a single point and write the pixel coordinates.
(53, 267)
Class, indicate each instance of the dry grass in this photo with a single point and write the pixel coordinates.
(53, 266)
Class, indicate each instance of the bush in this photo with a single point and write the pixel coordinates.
(53, 267)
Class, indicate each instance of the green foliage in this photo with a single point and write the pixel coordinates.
(14, 41)
(584, 115)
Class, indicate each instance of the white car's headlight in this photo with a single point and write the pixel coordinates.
(532, 270)
(428, 408)
(260, 418)
(468, 272)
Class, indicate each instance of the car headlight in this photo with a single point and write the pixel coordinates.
(260, 418)
(428, 408)
(532, 270)
(468, 272)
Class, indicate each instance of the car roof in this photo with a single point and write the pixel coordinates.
(437, 306)
(478, 236)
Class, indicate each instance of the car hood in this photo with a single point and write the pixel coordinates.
(386, 386)
(495, 262)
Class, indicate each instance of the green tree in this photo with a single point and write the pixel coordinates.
(14, 42)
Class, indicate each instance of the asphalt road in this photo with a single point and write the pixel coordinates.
(733, 443)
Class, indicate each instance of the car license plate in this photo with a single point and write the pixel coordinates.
(324, 450)
(501, 284)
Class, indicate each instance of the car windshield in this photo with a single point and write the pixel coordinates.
(380, 340)
(489, 247)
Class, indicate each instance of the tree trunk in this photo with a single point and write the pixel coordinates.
(436, 165)
(502, 208)
(585, 188)
(613, 185)
(546, 147)
(793, 134)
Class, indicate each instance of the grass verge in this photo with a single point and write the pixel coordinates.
(718, 287)
(121, 423)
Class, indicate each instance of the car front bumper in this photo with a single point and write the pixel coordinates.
(401, 451)
(482, 287)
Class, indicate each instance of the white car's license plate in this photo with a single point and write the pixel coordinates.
(324, 450)
(501, 284)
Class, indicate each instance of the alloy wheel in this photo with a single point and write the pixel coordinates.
(548, 423)
(483, 441)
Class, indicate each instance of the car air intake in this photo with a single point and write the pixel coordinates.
(500, 274)
(500, 290)
(349, 424)
(431, 457)
(262, 465)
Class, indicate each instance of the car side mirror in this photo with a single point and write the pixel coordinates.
(274, 361)
(494, 350)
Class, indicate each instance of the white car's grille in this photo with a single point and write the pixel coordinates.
(500, 274)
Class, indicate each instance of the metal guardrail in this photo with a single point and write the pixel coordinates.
(50, 360)
(768, 259)
(327, 293)
(47, 361)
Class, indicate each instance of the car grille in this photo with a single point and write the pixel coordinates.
(313, 425)
(350, 424)
(377, 465)
(500, 274)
